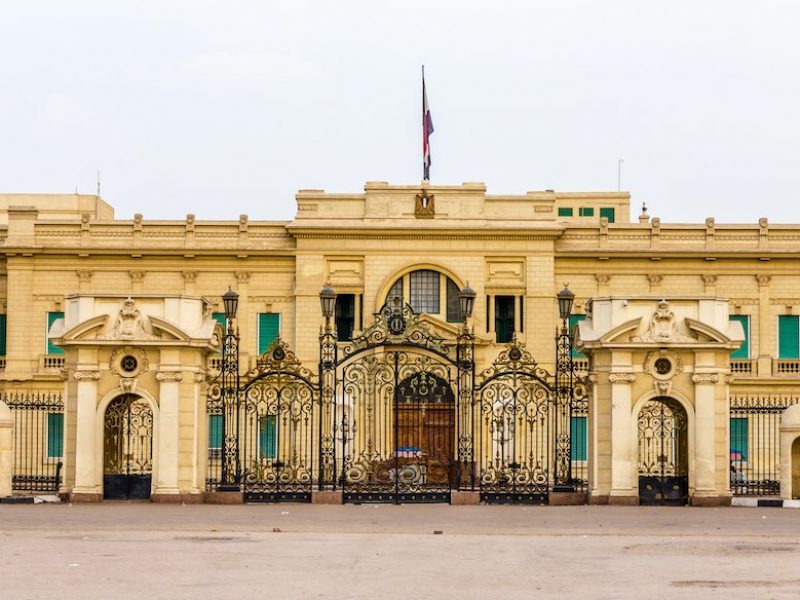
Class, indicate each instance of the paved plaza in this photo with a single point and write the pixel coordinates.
(138, 550)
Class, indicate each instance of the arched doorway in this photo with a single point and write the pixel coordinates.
(425, 429)
(128, 448)
(663, 453)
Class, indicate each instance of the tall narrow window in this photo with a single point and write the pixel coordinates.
(573, 330)
(52, 317)
(788, 336)
(424, 291)
(504, 318)
(579, 439)
(739, 438)
(744, 350)
(55, 435)
(345, 316)
(267, 438)
(215, 433)
(453, 305)
(522, 314)
(3, 320)
(268, 329)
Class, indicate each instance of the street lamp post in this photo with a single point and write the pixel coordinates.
(328, 356)
(562, 466)
(229, 378)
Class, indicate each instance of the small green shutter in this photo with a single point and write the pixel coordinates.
(215, 433)
(267, 438)
(744, 349)
(578, 438)
(788, 336)
(268, 328)
(573, 326)
(55, 435)
(608, 213)
(564, 211)
(2, 335)
(52, 317)
(739, 438)
(220, 318)
(586, 211)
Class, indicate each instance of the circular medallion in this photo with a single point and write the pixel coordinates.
(129, 364)
(663, 366)
(279, 354)
(515, 353)
(396, 324)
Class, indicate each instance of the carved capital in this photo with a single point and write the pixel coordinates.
(198, 377)
(622, 377)
(602, 278)
(705, 378)
(85, 276)
(189, 276)
(136, 276)
(169, 376)
(242, 276)
(655, 279)
(709, 279)
(86, 375)
(763, 280)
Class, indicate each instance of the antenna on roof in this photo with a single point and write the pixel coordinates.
(644, 208)
(619, 174)
(98, 183)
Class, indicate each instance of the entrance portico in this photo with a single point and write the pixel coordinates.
(659, 407)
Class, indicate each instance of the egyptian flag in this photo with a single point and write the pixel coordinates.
(427, 130)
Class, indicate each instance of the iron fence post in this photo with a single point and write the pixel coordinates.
(231, 475)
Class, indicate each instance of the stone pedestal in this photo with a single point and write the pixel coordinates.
(6, 449)
(326, 497)
(465, 498)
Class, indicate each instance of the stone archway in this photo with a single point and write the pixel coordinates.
(128, 448)
(790, 452)
(663, 457)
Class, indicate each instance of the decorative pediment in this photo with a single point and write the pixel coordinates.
(663, 327)
(705, 330)
(130, 324)
(621, 332)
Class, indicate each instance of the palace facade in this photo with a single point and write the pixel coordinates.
(681, 383)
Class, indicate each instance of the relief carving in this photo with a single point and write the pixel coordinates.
(130, 324)
(663, 327)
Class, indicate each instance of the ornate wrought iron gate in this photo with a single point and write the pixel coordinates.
(128, 448)
(38, 440)
(396, 411)
(663, 453)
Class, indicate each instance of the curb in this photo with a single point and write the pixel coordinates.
(765, 503)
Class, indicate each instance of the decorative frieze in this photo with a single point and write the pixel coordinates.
(622, 377)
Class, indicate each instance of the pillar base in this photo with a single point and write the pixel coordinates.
(327, 497)
(465, 498)
(179, 498)
(630, 500)
(223, 497)
(710, 500)
(85, 497)
(567, 498)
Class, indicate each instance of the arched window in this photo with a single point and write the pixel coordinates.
(428, 291)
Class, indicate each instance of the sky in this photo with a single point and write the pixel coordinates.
(225, 108)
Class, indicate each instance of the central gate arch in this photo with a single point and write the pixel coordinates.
(128, 448)
(662, 426)
(397, 401)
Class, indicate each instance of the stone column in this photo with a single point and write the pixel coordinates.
(705, 439)
(86, 473)
(6, 449)
(168, 433)
(623, 488)
(764, 321)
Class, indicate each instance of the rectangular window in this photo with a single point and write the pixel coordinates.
(453, 302)
(215, 433)
(579, 440)
(744, 349)
(788, 336)
(586, 211)
(52, 317)
(608, 213)
(424, 291)
(345, 316)
(504, 318)
(564, 211)
(573, 326)
(220, 318)
(268, 329)
(267, 437)
(739, 439)
(55, 435)
(3, 335)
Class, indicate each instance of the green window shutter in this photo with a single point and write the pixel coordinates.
(586, 211)
(788, 336)
(55, 435)
(739, 438)
(3, 335)
(52, 317)
(267, 436)
(268, 329)
(578, 438)
(744, 350)
(220, 318)
(215, 433)
(608, 213)
(573, 326)
(564, 211)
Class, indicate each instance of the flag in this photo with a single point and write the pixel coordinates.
(427, 130)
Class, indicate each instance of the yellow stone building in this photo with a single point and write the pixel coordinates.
(686, 357)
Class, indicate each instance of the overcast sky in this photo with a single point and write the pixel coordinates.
(222, 108)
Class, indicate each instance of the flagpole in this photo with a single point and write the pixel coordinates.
(424, 159)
